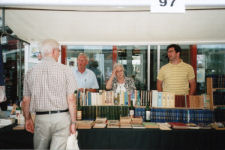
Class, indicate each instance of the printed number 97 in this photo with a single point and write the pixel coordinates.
(164, 3)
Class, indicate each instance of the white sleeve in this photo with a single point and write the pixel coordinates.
(95, 85)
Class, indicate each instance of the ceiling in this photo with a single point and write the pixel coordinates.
(117, 25)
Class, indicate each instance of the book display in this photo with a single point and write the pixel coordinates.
(149, 106)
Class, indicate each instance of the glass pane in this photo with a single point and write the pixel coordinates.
(210, 61)
(13, 61)
(134, 59)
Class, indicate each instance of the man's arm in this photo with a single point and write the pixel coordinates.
(192, 86)
(159, 85)
(72, 109)
(29, 124)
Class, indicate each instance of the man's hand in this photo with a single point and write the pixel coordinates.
(192, 87)
(29, 125)
(72, 128)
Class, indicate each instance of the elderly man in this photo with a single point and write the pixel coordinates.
(176, 76)
(85, 78)
(49, 92)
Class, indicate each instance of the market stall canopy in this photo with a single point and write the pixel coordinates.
(100, 24)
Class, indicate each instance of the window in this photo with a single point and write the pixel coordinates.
(210, 61)
(102, 58)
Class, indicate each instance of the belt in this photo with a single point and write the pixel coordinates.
(51, 112)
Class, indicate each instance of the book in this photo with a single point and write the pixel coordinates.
(151, 125)
(138, 126)
(19, 127)
(84, 124)
(178, 125)
(164, 126)
(192, 126)
(113, 124)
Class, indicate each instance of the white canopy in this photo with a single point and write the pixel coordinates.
(104, 25)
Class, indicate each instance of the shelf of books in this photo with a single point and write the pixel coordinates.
(165, 109)
(216, 90)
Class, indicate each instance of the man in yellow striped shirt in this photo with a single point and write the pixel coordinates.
(176, 76)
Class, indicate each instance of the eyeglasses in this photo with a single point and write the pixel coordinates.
(119, 71)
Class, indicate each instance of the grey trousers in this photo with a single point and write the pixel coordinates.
(53, 130)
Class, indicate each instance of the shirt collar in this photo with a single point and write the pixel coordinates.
(181, 61)
(76, 69)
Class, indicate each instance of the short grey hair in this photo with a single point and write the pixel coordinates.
(83, 54)
(47, 46)
(118, 65)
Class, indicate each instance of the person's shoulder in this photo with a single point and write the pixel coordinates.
(186, 65)
(89, 71)
(165, 66)
(64, 67)
(129, 79)
(35, 67)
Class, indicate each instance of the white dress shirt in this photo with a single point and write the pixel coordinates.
(87, 79)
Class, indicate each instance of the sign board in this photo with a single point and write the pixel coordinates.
(168, 6)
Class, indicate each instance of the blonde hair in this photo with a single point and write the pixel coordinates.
(118, 65)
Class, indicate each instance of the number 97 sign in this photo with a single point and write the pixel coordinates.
(168, 6)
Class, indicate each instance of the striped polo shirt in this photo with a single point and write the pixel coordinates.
(176, 77)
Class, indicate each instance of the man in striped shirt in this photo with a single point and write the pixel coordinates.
(49, 92)
(176, 76)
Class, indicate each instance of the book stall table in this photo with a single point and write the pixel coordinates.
(123, 138)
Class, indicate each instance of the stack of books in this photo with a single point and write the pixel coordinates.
(100, 123)
(218, 125)
(137, 123)
(125, 122)
(164, 126)
(85, 124)
(137, 120)
(113, 124)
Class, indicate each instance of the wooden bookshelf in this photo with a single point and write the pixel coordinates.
(210, 91)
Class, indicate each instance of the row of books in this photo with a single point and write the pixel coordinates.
(136, 123)
(170, 100)
(218, 81)
(157, 115)
(182, 115)
(102, 98)
(142, 98)
(219, 97)
(109, 112)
